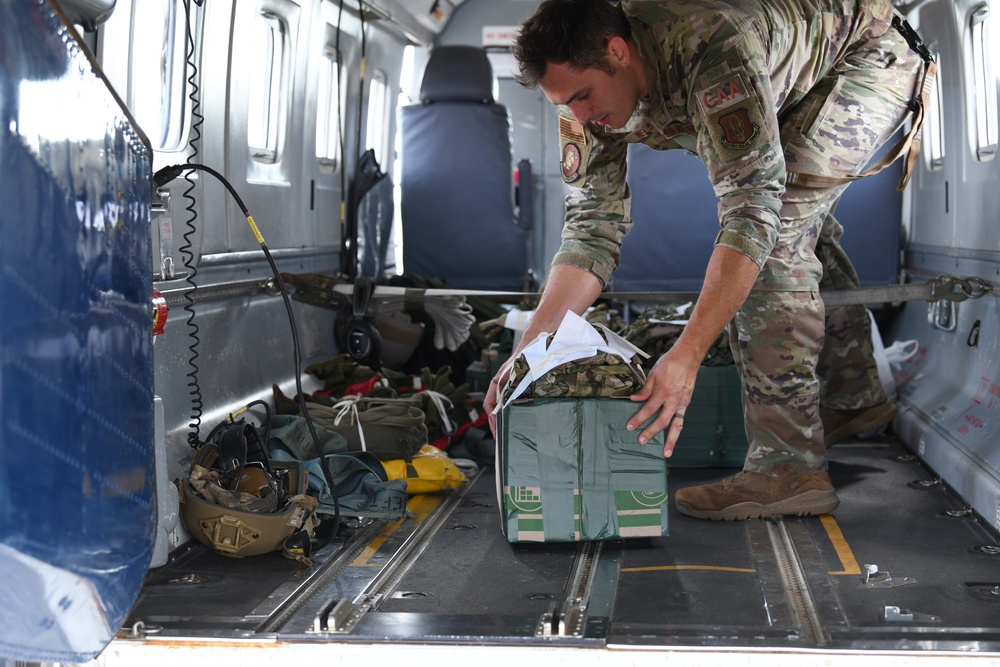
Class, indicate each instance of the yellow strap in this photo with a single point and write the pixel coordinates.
(909, 144)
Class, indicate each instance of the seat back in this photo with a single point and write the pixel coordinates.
(457, 199)
(677, 219)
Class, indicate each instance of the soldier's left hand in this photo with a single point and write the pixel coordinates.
(667, 394)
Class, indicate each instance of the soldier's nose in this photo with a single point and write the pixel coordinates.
(581, 113)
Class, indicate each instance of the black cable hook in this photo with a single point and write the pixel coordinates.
(973, 339)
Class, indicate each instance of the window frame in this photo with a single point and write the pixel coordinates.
(270, 99)
(933, 139)
(329, 106)
(984, 124)
(169, 132)
(376, 123)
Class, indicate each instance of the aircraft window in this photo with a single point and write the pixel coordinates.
(406, 93)
(933, 128)
(376, 132)
(267, 77)
(328, 112)
(158, 85)
(983, 55)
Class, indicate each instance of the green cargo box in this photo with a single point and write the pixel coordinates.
(713, 434)
(570, 471)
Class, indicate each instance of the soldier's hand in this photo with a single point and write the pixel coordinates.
(667, 394)
(493, 394)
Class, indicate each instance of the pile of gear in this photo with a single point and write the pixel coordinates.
(376, 433)
(368, 440)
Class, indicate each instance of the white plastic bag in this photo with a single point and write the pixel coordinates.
(898, 354)
(890, 359)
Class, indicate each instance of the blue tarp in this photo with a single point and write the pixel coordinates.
(77, 510)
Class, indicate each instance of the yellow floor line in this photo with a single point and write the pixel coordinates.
(847, 560)
(420, 507)
(844, 553)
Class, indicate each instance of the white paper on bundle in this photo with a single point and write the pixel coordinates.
(576, 338)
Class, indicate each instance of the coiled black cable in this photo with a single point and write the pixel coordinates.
(187, 255)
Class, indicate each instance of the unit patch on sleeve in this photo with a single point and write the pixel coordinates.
(738, 132)
(732, 114)
(570, 162)
(575, 147)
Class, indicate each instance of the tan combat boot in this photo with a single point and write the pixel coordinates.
(838, 425)
(756, 495)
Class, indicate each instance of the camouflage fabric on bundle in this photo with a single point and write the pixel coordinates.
(605, 315)
(602, 375)
(655, 331)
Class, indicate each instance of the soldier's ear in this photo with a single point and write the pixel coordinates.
(618, 52)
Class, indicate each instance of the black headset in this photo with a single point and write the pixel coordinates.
(361, 338)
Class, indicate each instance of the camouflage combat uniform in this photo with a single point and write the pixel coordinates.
(758, 90)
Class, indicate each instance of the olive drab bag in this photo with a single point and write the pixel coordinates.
(357, 478)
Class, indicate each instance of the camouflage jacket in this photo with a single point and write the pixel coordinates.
(720, 74)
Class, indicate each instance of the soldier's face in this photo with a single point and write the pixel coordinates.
(592, 95)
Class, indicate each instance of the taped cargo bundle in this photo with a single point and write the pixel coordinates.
(568, 468)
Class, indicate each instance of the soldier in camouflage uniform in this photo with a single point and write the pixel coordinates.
(767, 93)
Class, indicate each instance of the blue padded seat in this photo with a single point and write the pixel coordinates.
(457, 207)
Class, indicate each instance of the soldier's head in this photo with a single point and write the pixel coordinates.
(580, 53)
(570, 32)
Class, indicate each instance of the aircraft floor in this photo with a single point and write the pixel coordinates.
(900, 565)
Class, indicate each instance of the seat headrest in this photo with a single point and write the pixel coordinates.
(458, 73)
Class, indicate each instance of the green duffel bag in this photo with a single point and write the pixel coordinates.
(389, 428)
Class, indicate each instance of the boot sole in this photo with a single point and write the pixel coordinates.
(810, 503)
(869, 421)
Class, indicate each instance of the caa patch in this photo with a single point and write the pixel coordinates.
(732, 114)
(724, 94)
(570, 163)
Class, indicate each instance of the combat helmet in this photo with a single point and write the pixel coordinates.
(240, 503)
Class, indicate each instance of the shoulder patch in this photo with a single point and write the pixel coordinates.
(575, 147)
(725, 93)
(732, 115)
(738, 131)
(570, 129)
(570, 163)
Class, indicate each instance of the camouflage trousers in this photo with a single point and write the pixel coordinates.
(793, 355)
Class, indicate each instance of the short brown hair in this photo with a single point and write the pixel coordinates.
(573, 32)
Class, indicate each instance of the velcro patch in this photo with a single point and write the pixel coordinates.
(726, 93)
(570, 129)
(575, 151)
(570, 162)
(732, 114)
(738, 131)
